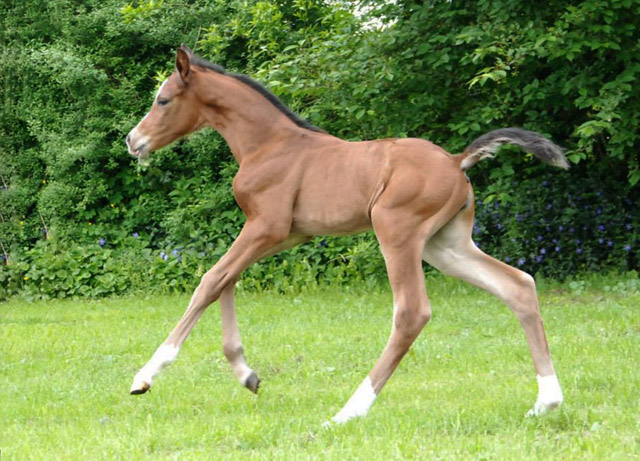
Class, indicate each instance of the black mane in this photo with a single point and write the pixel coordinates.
(269, 96)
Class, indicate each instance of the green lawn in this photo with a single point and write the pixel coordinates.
(461, 393)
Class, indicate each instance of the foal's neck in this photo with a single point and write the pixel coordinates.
(245, 118)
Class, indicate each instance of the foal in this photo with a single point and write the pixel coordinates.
(296, 181)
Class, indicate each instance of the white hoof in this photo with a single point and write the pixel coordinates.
(540, 408)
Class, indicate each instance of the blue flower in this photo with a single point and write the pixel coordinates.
(629, 226)
(101, 242)
(578, 241)
(521, 261)
(601, 227)
(135, 235)
(539, 238)
(571, 230)
(609, 243)
(539, 259)
(543, 251)
(560, 228)
(549, 206)
(557, 248)
(599, 210)
(175, 252)
(499, 226)
(164, 256)
(507, 259)
(600, 240)
(579, 251)
(627, 247)
(545, 183)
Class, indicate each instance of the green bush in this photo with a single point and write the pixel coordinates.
(77, 76)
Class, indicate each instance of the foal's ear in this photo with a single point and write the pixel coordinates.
(183, 64)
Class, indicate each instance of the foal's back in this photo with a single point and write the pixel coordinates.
(339, 181)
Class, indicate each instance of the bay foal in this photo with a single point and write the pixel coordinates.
(296, 181)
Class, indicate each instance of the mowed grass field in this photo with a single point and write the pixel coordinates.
(461, 393)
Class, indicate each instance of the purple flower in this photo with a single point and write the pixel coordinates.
(521, 261)
(545, 183)
(571, 230)
(601, 227)
(578, 241)
(629, 226)
(599, 210)
(164, 256)
(609, 243)
(557, 248)
(627, 247)
(175, 252)
(600, 240)
(549, 206)
(507, 259)
(499, 226)
(135, 235)
(579, 251)
(543, 251)
(560, 228)
(539, 259)
(539, 238)
(101, 242)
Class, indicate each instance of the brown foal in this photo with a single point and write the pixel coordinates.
(296, 181)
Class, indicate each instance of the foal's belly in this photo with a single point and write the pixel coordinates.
(326, 212)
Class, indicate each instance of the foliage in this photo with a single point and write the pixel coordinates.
(76, 76)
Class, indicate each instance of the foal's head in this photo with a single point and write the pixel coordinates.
(174, 113)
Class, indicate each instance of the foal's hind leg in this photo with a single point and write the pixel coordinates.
(452, 251)
(411, 310)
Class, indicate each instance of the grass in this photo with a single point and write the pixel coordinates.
(461, 393)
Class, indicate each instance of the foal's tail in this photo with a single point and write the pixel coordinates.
(529, 141)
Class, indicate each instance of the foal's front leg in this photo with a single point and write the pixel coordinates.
(256, 239)
(231, 342)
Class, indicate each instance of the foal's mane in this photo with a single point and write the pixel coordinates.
(268, 95)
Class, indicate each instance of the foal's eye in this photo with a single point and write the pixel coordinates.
(163, 102)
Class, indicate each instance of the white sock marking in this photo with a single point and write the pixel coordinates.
(163, 356)
(358, 404)
(549, 395)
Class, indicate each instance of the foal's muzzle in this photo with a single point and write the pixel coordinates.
(137, 144)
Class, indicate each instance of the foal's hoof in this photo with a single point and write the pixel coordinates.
(139, 388)
(541, 408)
(252, 382)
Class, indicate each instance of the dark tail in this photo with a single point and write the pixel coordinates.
(529, 141)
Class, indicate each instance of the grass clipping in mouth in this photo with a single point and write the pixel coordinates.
(144, 160)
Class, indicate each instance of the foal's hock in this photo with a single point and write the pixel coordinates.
(295, 181)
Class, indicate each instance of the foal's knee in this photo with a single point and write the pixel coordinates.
(410, 319)
(211, 286)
